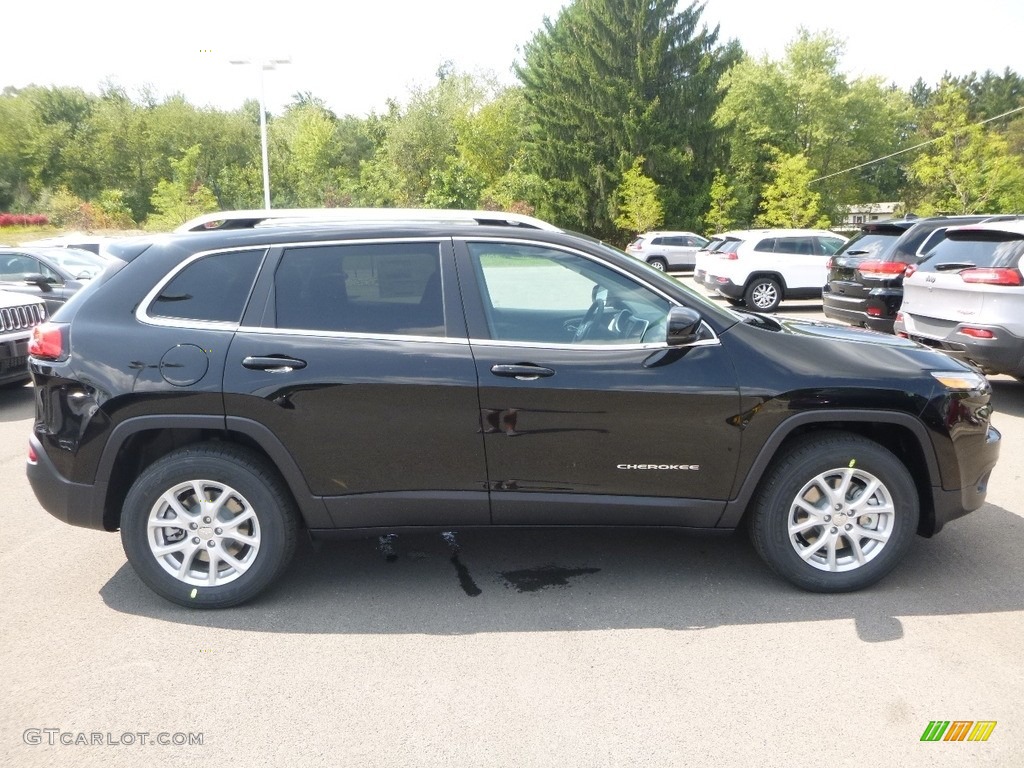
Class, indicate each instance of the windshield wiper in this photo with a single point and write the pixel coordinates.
(856, 253)
(951, 265)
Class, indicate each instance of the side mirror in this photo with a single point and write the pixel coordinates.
(683, 327)
(40, 281)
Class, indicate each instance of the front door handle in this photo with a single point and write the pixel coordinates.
(522, 371)
(273, 364)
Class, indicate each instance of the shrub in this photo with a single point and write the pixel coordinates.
(23, 219)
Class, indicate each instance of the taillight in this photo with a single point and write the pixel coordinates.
(33, 458)
(992, 276)
(910, 270)
(49, 341)
(830, 263)
(899, 317)
(728, 256)
(882, 270)
(977, 333)
(874, 311)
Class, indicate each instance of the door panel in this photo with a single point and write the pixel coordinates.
(379, 416)
(615, 424)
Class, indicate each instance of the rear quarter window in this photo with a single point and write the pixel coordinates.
(213, 288)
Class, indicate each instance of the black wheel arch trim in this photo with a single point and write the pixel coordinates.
(312, 507)
(737, 507)
(776, 276)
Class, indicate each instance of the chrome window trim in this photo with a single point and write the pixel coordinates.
(651, 346)
(354, 335)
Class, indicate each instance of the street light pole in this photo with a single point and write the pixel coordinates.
(264, 65)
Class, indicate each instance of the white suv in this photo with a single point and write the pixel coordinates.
(762, 267)
(19, 314)
(667, 250)
(967, 297)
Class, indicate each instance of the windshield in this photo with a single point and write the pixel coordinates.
(79, 264)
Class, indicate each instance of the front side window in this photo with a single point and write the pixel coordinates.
(537, 294)
(213, 288)
(378, 288)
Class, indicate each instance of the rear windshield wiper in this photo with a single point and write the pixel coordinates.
(951, 265)
(855, 253)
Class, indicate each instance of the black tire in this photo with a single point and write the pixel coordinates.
(736, 302)
(763, 294)
(249, 489)
(793, 477)
(659, 264)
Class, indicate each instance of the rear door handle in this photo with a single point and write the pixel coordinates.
(522, 371)
(273, 364)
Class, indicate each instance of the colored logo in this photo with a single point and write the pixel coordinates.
(958, 730)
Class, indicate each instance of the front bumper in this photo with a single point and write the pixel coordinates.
(975, 471)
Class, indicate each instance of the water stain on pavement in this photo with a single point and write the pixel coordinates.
(536, 579)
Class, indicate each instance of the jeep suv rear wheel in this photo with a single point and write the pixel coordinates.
(835, 514)
(208, 526)
(658, 263)
(763, 294)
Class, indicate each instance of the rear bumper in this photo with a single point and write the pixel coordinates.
(72, 503)
(728, 288)
(1004, 353)
(876, 311)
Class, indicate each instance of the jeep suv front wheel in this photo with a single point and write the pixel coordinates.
(835, 513)
(209, 526)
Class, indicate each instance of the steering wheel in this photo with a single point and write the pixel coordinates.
(587, 323)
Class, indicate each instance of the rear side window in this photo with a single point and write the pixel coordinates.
(379, 288)
(798, 245)
(766, 246)
(214, 288)
(967, 250)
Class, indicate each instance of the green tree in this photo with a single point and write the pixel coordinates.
(723, 203)
(184, 196)
(611, 80)
(804, 105)
(640, 207)
(967, 169)
(788, 201)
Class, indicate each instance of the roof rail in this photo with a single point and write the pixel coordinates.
(281, 216)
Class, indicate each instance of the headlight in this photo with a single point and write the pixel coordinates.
(963, 381)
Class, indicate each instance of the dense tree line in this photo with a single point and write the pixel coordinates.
(628, 115)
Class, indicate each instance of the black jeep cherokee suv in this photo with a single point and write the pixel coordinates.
(217, 391)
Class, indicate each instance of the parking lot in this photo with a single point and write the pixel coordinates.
(594, 648)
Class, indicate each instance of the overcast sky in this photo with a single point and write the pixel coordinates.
(356, 55)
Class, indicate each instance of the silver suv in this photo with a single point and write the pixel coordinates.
(667, 250)
(967, 297)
